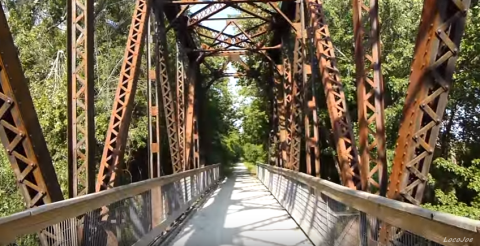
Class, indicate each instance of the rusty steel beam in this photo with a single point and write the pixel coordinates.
(206, 12)
(261, 7)
(22, 136)
(297, 85)
(336, 102)
(273, 136)
(240, 40)
(117, 132)
(153, 88)
(285, 18)
(312, 144)
(370, 97)
(181, 74)
(237, 50)
(81, 130)
(232, 18)
(281, 111)
(230, 53)
(239, 8)
(166, 92)
(436, 51)
(287, 90)
(189, 124)
(196, 143)
(154, 141)
(20, 129)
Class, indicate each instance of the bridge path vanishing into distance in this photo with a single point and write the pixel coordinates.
(241, 211)
(186, 200)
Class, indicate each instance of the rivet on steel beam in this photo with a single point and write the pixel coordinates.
(455, 51)
(9, 151)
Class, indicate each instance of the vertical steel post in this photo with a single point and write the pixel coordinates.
(273, 119)
(117, 132)
(166, 92)
(287, 89)
(153, 106)
(280, 112)
(181, 74)
(281, 102)
(370, 97)
(310, 105)
(296, 96)
(196, 143)
(156, 203)
(189, 123)
(81, 122)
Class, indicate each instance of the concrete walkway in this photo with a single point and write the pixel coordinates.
(241, 212)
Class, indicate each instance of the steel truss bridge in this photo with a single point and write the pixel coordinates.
(368, 207)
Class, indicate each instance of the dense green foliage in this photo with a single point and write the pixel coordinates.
(39, 32)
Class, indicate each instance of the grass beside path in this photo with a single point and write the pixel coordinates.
(252, 169)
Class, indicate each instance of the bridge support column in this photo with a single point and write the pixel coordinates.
(287, 90)
(436, 52)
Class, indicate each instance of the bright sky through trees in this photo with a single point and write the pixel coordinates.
(218, 25)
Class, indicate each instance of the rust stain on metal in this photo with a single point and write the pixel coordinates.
(122, 107)
(436, 51)
(336, 103)
(370, 96)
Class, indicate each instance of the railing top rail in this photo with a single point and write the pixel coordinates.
(432, 225)
(33, 220)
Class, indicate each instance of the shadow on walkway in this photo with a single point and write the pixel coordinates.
(242, 213)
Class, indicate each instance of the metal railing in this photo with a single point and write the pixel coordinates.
(134, 214)
(331, 214)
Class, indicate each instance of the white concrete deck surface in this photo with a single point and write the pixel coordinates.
(241, 212)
